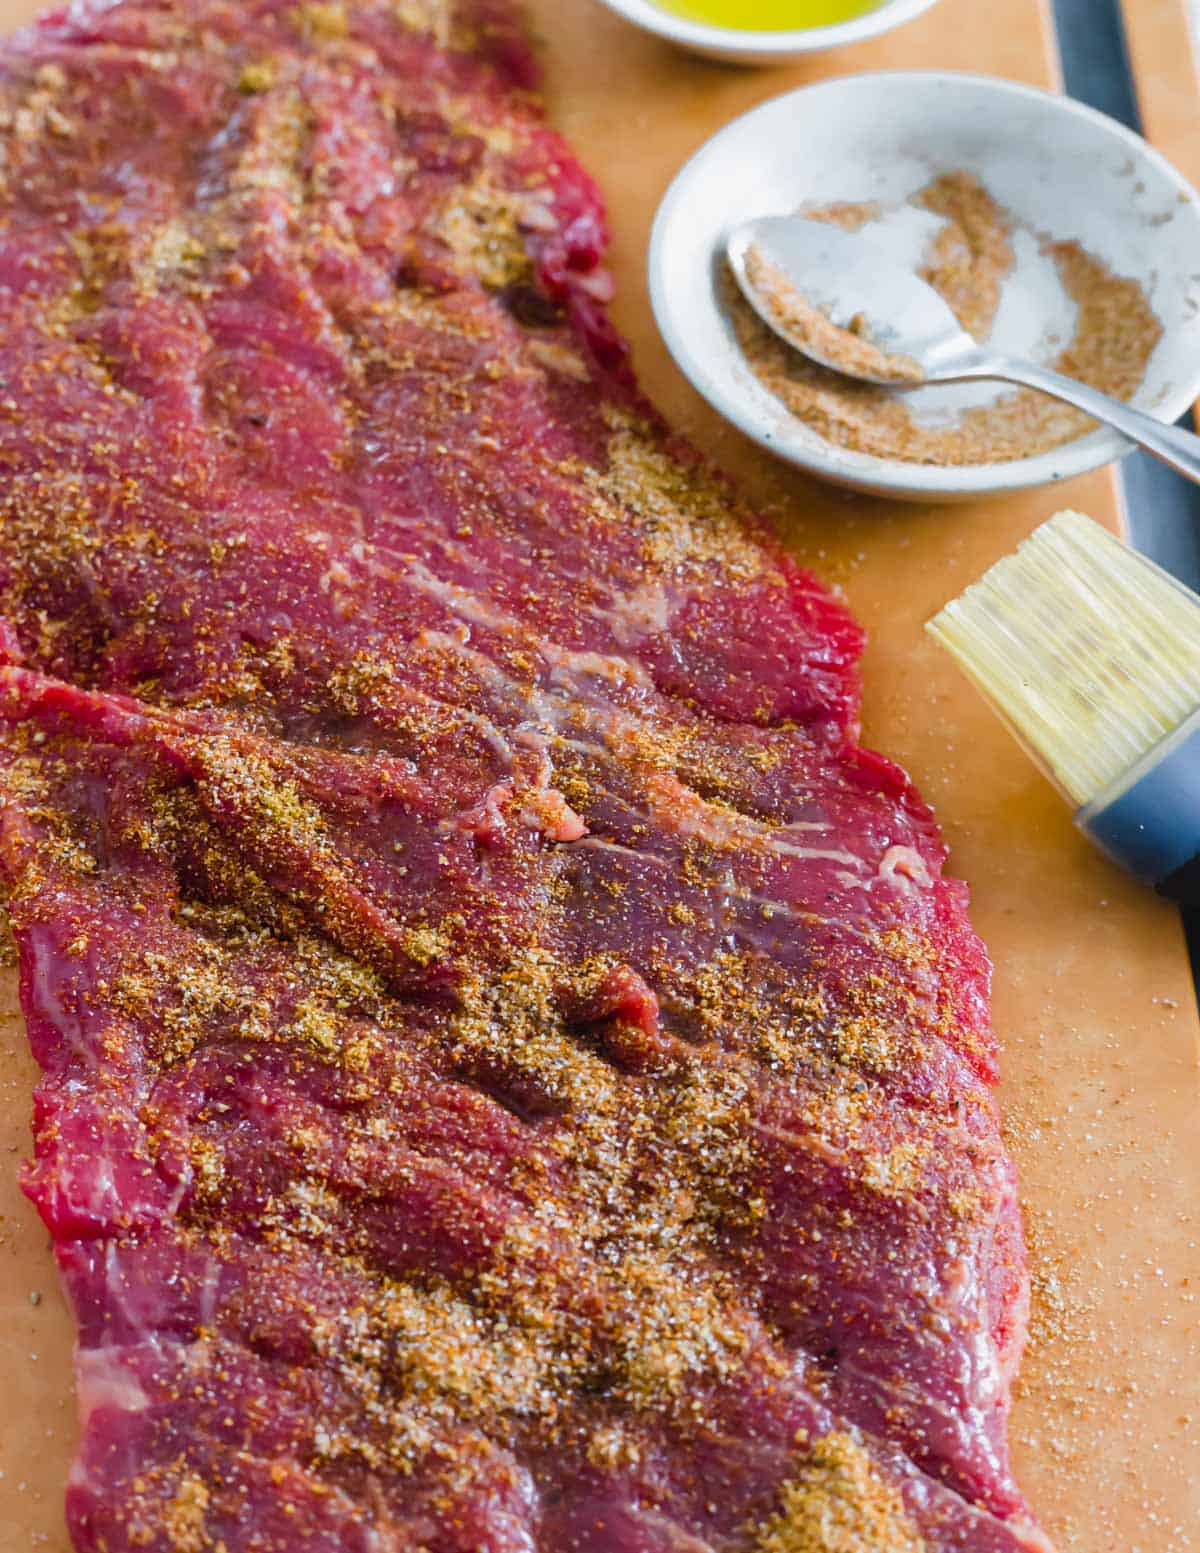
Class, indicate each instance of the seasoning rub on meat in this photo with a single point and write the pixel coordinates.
(516, 1078)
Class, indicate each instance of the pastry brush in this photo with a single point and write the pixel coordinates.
(1091, 655)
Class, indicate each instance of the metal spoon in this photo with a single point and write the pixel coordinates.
(860, 289)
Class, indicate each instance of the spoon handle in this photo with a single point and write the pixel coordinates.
(1180, 449)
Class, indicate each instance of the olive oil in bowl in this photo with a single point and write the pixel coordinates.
(766, 32)
(768, 15)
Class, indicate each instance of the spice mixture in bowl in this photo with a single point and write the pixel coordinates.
(1051, 231)
(1089, 323)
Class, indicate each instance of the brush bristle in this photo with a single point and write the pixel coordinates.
(1089, 651)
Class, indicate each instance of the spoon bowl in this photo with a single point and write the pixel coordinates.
(862, 291)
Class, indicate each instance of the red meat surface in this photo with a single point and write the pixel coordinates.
(516, 1079)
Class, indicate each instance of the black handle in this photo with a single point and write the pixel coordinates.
(1183, 886)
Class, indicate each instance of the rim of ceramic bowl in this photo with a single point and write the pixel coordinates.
(899, 478)
(795, 40)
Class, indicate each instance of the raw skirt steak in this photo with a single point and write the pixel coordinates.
(516, 1079)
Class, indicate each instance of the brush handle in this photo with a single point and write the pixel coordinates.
(1183, 886)
(1179, 448)
(1150, 822)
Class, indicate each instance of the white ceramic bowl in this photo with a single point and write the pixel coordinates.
(1060, 168)
(765, 48)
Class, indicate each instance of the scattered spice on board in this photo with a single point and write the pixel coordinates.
(1116, 332)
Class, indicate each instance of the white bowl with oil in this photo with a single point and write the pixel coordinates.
(1062, 170)
(773, 45)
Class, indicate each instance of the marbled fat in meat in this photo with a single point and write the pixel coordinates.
(515, 1075)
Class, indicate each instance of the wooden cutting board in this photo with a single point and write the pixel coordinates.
(1094, 1000)
(1163, 38)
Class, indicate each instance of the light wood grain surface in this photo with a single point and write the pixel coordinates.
(1164, 51)
(1093, 1000)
